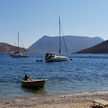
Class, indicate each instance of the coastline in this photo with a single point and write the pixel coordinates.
(79, 100)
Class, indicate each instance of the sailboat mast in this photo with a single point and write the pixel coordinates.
(18, 41)
(59, 36)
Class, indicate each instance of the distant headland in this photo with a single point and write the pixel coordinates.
(101, 48)
(7, 48)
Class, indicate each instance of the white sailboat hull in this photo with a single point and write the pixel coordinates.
(57, 59)
(18, 55)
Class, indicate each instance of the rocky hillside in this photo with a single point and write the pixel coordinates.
(7, 48)
(101, 48)
(73, 43)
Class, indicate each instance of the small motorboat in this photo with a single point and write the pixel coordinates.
(39, 60)
(34, 83)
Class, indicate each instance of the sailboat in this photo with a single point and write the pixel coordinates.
(18, 53)
(50, 57)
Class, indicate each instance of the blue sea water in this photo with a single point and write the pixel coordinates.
(82, 74)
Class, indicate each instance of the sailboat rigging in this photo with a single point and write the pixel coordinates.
(59, 36)
(49, 57)
(18, 53)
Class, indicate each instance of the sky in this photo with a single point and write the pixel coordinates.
(36, 18)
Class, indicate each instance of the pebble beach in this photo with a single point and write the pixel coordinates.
(81, 100)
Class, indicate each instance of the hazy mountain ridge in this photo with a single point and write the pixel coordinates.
(73, 43)
(7, 48)
(101, 48)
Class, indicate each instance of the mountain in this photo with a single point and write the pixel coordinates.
(7, 48)
(101, 48)
(74, 43)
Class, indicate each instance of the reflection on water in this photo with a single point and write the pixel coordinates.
(34, 91)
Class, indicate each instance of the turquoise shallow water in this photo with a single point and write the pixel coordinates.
(82, 74)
